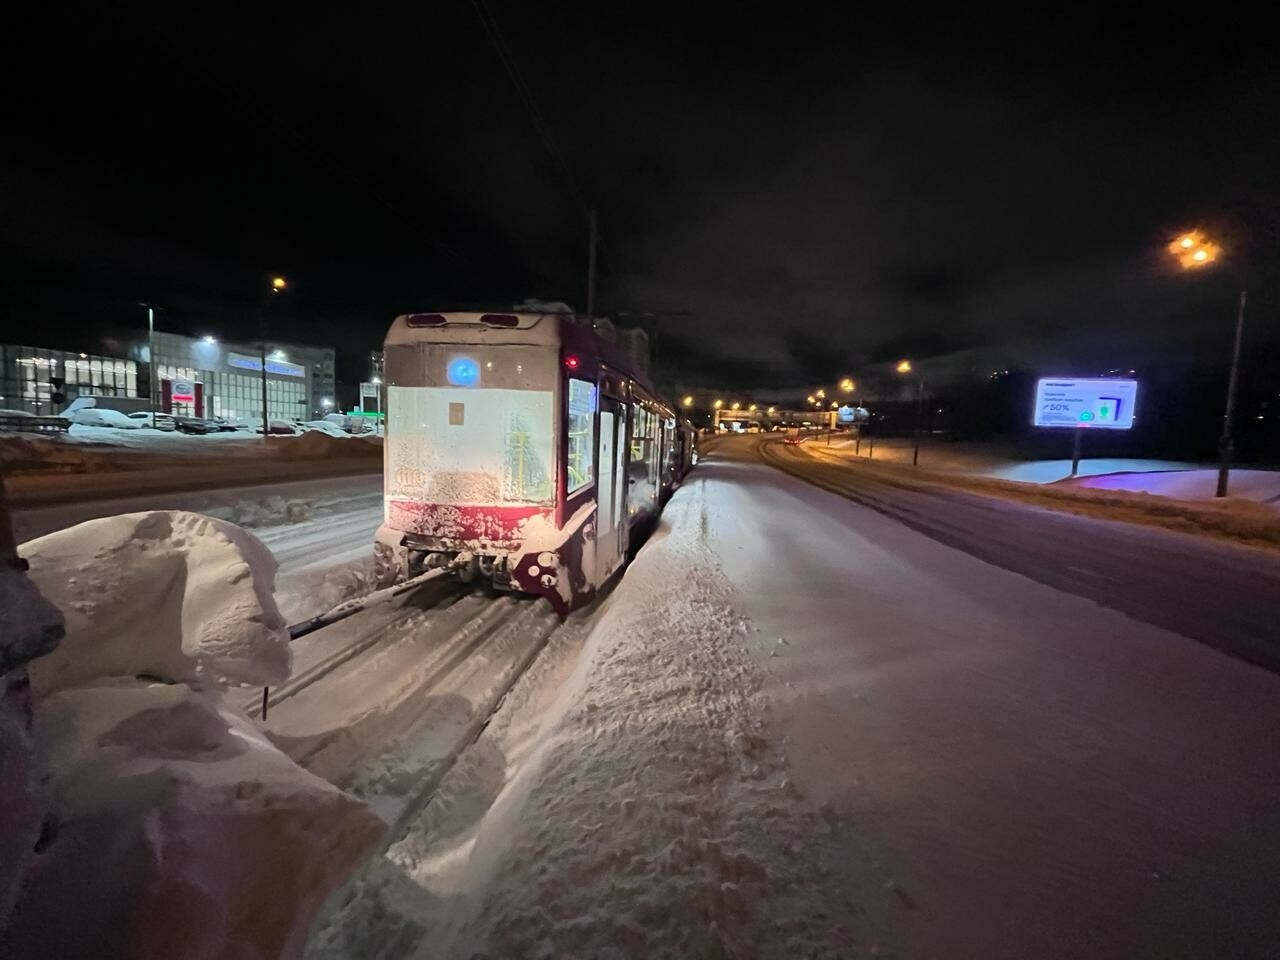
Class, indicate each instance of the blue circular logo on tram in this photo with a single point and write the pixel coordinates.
(463, 372)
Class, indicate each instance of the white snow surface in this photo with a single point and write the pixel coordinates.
(176, 829)
(798, 728)
(169, 595)
(641, 810)
(1260, 486)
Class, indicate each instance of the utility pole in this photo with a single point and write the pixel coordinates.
(591, 268)
(915, 454)
(1225, 446)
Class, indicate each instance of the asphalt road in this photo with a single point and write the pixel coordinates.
(1223, 595)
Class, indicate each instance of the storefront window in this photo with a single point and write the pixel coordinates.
(580, 457)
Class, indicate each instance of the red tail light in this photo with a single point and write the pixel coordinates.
(425, 320)
(500, 320)
(572, 362)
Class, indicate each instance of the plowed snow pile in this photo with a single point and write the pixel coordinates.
(169, 595)
(171, 826)
(634, 809)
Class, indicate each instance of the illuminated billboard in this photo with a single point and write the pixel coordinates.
(1093, 403)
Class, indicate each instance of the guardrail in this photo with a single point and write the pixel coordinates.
(15, 423)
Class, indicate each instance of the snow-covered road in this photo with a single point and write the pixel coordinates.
(1010, 770)
(799, 727)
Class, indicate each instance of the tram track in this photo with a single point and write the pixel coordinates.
(383, 702)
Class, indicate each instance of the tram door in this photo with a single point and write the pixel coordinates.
(610, 529)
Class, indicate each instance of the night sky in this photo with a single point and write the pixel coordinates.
(817, 188)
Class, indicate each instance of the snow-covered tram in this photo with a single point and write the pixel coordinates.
(524, 447)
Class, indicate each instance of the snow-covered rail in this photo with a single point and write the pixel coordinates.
(383, 701)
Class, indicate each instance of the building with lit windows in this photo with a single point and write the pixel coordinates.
(300, 379)
(42, 381)
(198, 377)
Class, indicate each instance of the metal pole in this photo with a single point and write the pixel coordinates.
(151, 357)
(591, 269)
(1078, 435)
(262, 339)
(1225, 446)
(915, 454)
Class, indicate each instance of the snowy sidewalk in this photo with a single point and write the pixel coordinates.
(798, 728)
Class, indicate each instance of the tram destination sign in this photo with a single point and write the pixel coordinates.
(1085, 403)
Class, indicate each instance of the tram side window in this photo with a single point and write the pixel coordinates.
(580, 458)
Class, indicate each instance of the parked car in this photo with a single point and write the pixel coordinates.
(223, 425)
(161, 421)
(282, 428)
(325, 426)
(195, 425)
(102, 417)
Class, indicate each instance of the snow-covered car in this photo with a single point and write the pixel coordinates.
(102, 417)
(195, 425)
(160, 421)
(325, 426)
(223, 425)
(280, 428)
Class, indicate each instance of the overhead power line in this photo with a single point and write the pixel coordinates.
(536, 118)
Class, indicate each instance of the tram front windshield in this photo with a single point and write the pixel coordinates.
(471, 425)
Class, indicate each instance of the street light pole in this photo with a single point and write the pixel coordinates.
(262, 342)
(1225, 446)
(915, 453)
(151, 360)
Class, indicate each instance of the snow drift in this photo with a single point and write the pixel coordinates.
(168, 595)
(177, 830)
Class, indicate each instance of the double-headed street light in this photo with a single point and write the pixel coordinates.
(1194, 250)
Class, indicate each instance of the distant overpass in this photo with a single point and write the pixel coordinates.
(818, 418)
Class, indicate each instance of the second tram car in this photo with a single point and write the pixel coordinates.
(524, 447)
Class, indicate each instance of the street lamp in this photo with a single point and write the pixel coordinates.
(904, 366)
(687, 402)
(718, 404)
(847, 385)
(736, 406)
(1194, 250)
(151, 358)
(278, 286)
(821, 394)
(751, 409)
(811, 399)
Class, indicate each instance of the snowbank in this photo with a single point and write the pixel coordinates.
(169, 595)
(176, 830)
(26, 454)
(316, 445)
(1260, 486)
